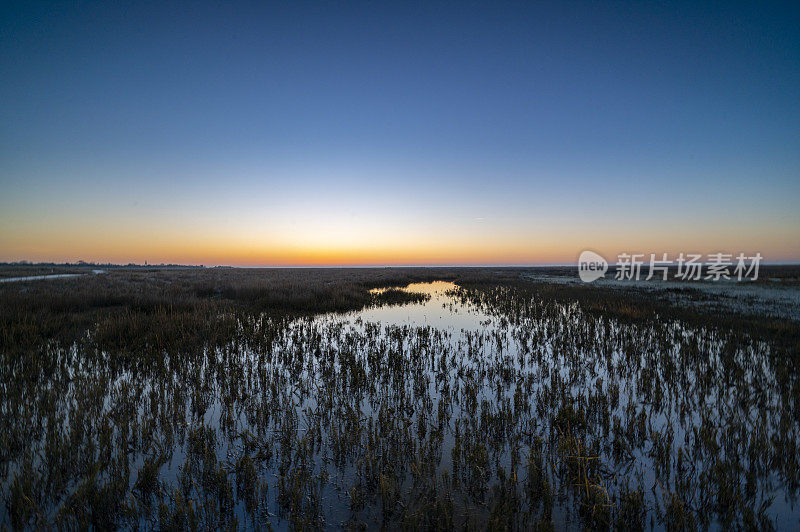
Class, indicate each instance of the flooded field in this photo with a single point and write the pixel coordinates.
(480, 406)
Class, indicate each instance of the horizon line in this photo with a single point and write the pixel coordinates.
(334, 266)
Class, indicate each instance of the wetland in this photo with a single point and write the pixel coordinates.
(386, 398)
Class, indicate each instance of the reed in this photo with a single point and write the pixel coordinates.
(229, 399)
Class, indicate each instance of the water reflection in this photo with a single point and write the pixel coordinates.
(441, 310)
(475, 407)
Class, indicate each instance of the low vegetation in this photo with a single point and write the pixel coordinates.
(250, 398)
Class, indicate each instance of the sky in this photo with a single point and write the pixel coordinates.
(389, 133)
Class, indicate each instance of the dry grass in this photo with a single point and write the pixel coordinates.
(566, 400)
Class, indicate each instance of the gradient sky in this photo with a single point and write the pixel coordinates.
(370, 133)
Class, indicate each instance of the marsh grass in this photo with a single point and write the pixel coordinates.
(229, 399)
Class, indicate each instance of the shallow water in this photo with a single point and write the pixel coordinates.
(40, 277)
(48, 276)
(471, 407)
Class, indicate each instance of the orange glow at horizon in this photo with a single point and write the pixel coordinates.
(320, 235)
(502, 251)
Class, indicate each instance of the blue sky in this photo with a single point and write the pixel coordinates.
(300, 133)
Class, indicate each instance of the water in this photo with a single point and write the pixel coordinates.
(40, 277)
(472, 407)
(48, 276)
